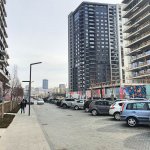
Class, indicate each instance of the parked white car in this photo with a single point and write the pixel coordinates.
(40, 102)
(115, 109)
(77, 104)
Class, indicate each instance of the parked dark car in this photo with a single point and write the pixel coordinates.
(59, 102)
(54, 101)
(86, 105)
(99, 107)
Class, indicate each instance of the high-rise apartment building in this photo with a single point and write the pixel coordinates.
(45, 84)
(94, 45)
(136, 14)
(4, 74)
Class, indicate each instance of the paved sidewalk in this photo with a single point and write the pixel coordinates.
(24, 133)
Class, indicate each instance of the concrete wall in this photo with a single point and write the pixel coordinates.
(8, 106)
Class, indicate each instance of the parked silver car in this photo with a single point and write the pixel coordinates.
(40, 101)
(66, 103)
(77, 104)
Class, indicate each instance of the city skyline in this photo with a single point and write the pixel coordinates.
(37, 36)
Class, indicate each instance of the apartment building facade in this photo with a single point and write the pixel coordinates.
(4, 74)
(95, 37)
(136, 32)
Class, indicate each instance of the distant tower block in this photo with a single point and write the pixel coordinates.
(45, 84)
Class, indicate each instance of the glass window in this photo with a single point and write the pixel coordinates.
(137, 106)
(129, 107)
(98, 103)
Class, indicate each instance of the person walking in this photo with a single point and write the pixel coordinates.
(22, 106)
(25, 102)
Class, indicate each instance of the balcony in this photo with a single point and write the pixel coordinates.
(138, 39)
(2, 7)
(142, 56)
(4, 1)
(4, 75)
(139, 14)
(134, 8)
(139, 67)
(127, 5)
(130, 27)
(4, 34)
(139, 30)
(138, 49)
(125, 1)
(142, 75)
(3, 21)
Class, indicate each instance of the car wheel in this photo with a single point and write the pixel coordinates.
(76, 107)
(117, 116)
(86, 109)
(94, 112)
(131, 121)
(64, 106)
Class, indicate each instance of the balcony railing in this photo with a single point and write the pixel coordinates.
(134, 7)
(138, 11)
(143, 55)
(136, 22)
(138, 47)
(135, 31)
(143, 73)
(138, 39)
(128, 4)
(5, 73)
(143, 64)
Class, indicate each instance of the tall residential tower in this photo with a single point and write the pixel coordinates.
(4, 74)
(94, 45)
(136, 14)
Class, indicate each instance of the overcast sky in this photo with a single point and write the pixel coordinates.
(38, 31)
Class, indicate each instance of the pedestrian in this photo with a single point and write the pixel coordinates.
(22, 106)
(25, 102)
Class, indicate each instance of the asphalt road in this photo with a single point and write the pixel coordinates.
(67, 129)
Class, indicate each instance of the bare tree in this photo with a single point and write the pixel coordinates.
(15, 83)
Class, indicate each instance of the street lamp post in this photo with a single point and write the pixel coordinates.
(30, 83)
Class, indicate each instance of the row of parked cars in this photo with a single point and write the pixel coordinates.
(134, 112)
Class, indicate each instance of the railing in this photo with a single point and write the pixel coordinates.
(142, 64)
(137, 38)
(137, 29)
(126, 5)
(146, 43)
(138, 11)
(138, 47)
(135, 22)
(139, 56)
